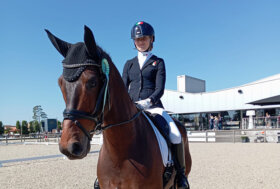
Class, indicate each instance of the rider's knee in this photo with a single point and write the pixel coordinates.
(175, 139)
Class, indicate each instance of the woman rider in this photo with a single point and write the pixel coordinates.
(144, 76)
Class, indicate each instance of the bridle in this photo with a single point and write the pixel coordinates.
(98, 114)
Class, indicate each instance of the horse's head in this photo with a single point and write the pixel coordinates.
(84, 85)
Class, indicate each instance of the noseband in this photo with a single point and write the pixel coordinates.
(98, 115)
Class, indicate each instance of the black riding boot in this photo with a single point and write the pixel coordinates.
(179, 162)
(96, 184)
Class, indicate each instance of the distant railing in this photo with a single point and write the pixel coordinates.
(42, 137)
(234, 136)
(261, 122)
(46, 138)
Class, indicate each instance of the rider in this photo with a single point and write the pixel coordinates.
(144, 76)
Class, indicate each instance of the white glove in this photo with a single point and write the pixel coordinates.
(144, 104)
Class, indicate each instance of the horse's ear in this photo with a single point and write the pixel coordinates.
(59, 44)
(91, 44)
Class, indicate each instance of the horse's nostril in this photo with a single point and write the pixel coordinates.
(76, 149)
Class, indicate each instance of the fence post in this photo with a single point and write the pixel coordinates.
(264, 135)
(206, 136)
(233, 136)
(7, 139)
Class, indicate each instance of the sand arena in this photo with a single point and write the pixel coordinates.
(215, 165)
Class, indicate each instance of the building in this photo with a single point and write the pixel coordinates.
(49, 125)
(12, 129)
(194, 107)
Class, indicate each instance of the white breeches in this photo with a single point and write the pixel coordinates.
(174, 135)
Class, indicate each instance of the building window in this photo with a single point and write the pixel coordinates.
(190, 121)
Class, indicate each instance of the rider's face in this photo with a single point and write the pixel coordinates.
(143, 43)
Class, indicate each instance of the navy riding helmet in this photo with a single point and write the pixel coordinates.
(141, 29)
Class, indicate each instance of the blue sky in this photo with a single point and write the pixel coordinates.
(227, 43)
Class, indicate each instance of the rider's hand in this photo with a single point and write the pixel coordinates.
(144, 104)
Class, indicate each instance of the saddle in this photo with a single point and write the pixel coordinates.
(161, 124)
(163, 127)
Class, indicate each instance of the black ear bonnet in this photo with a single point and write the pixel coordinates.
(76, 62)
(77, 56)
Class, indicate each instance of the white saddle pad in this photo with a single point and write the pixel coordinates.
(161, 142)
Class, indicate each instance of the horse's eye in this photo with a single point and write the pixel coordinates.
(91, 83)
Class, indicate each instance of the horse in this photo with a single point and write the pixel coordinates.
(97, 100)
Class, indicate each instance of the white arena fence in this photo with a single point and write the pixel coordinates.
(46, 138)
(30, 138)
(231, 136)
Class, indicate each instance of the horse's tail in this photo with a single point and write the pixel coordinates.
(184, 135)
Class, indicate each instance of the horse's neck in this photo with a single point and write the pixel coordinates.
(118, 138)
(127, 141)
(122, 110)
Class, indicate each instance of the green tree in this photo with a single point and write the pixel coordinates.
(24, 127)
(37, 126)
(38, 115)
(1, 128)
(7, 130)
(31, 127)
(59, 126)
(18, 126)
(44, 115)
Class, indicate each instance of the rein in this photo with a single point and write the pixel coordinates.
(98, 115)
(76, 114)
(122, 123)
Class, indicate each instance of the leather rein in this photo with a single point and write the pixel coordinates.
(98, 114)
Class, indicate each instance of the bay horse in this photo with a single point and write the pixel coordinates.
(97, 100)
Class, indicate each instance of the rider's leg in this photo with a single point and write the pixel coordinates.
(177, 148)
(179, 161)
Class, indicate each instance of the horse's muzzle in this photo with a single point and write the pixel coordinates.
(74, 144)
(75, 150)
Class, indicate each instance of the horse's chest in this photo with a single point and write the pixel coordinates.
(131, 175)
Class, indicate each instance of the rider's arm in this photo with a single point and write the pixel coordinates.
(160, 82)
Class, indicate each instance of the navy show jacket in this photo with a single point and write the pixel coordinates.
(148, 82)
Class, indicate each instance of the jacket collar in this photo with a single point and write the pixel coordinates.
(150, 61)
(135, 61)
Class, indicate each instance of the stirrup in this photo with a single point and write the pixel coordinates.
(96, 184)
(182, 182)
